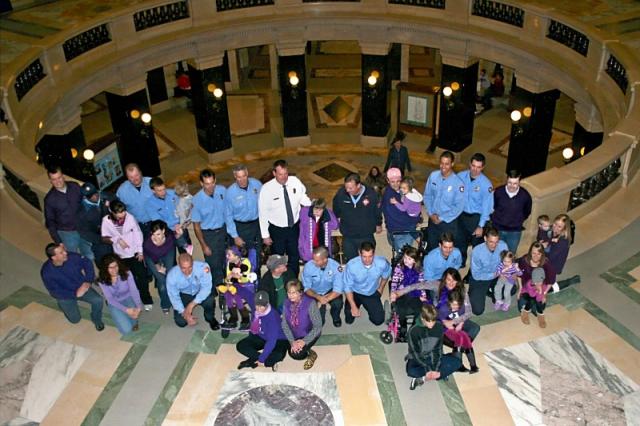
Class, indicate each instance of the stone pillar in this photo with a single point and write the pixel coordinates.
(273, 65)
(210, 107)
(157, 86)
(234, 73)
(375, 114)
(457, 112)
(65, 151)
(588, 132)
(531, 135)
(404, 63)
(137, 141)
(295, 121)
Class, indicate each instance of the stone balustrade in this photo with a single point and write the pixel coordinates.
(37, 86)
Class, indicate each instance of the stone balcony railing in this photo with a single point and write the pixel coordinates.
(116, 51)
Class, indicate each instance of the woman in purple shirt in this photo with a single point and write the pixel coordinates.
(119, 288)
(159, 251)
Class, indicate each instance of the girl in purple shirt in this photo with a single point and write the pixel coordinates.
(119, 288)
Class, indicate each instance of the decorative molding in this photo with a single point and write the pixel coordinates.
(433, 4)
(225, 5)
(618, 73)
(85, 41)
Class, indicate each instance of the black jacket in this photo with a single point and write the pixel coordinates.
(425, 345)
(359, 221)
(267, 284)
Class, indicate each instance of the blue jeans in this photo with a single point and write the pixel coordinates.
(169, 261)
(512, 238)
(75, 243)
(123, 321)
(448, 365)
(70, 307)
(400, 239)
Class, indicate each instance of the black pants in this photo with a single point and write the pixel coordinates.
(336, 307)
(216, 239)
(372, 304)
(141, 278)
(251, 346)
(434, 231)
(408, 305)
(467, 224)
(526, 302)
(207, 304)
(351, 246)
(285, 241)
(250, 233)
(478, 293)
(304, 352)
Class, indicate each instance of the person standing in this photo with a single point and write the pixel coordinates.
(61, 208)
(68, 277)
(365, 278)
(401, 227)
(359, 212)
(322, 280)
(485, 259)
(398, 155)
(209, 218)
(162, 206)
(241, 207)
(94, 207)
(511, 207)
(478, 204)
(444, 200)
(134, 193)
(279, 205)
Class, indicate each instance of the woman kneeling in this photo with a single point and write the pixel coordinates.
(301, 323)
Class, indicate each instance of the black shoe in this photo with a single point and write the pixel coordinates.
(337, 323)
(215, 325)
(415, 382)
(471, 356)
(244, 326)
(99, 326)
(247, 363)
(230, 324)
(350, 320)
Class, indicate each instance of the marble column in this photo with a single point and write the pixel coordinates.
(210, 107)
(234, 73)
(588, 132)
(404, 63)
(531, 135)
(273, 65)
(295, 121)
(375, 113)
(137, 141)
(457, 112)
(157, 86)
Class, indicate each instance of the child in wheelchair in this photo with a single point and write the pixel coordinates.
(238, 289)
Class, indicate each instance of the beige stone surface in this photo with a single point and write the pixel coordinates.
(636, 286)
(359, 407)
(635, 273)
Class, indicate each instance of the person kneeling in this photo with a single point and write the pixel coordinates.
(265, 335)
(452, 317)
(301, 323)
(425, 360)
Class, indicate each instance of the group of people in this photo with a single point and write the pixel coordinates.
(141, 233)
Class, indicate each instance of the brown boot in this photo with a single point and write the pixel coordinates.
(524, 316)
(541, 321)
(311, 359)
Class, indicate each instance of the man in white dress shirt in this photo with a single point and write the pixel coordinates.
(279, 211)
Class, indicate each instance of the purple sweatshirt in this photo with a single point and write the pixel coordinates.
(120, 291)
(269, 328)
(155, 252)
(510, 213)
(63, 281)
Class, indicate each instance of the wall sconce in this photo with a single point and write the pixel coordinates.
(293, 79)
(582, 152)
(516, 115)
(88, 154)
(527, 111)
(135, 114)
(455, 86)
(146, 118)
(447, 91)
(567, 154)
(372, 80)
(216, 91)
(74, 153)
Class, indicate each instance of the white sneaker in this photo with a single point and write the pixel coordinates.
(148, 307)
(556, 287)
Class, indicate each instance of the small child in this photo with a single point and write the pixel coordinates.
(544, 231)
(183, 212)
(507, 271)
(238, 286)
(411, 201)
(453, 329)
(535, 292)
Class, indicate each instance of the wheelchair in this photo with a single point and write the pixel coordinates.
(226, 326)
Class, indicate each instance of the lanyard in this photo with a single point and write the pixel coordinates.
(355, 200)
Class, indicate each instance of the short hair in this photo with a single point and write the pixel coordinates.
(207, 173)
(280, 163)
(185, 257)
(131, 167)
(398, 137)
(52, 170)
(409, 181)
(428, 313)
(157, 225)
(50, 249)
(544, 218)
(318, 203)
(239, 168)
(492, 232)
(478, 156)
(117, 206)
(155, 182)
(295, 284)
(352, 177)
(367, 246)
(182, 188)
(446, 237)
(506, 254)
(321, 251)
(514, 174)
(448, 154)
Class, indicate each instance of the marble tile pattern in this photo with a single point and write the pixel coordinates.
(632, 408)
(323, 385)
(35, 371)
(545, 381)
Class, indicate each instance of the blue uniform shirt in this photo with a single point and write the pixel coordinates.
(435, 264)
(322, 281)
(209, 211)
(164, 209)
(478, 196)
(242, 204)
(364, 280)
(444, 196)
(135, 199)
(198, 284)
(485, 262)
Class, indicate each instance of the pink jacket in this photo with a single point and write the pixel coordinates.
(131, 234)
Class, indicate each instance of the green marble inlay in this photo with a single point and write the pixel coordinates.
(111, 390)
(209, 341)
(171, 389)
(454, 402)
(143, 336)
(613, 324)
(619, 277)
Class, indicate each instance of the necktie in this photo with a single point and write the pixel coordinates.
(287, 205)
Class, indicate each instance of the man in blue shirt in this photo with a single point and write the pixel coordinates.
(68, 277)
(189, 285)
(162, 206)
(322, 280)
(364, 280)
(478, 205)
(443, 199)
(134, 193)
(208, 217)
(439, 259)
(241, 207)
(484, 262)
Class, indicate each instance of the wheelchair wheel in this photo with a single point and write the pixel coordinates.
(386, 337)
